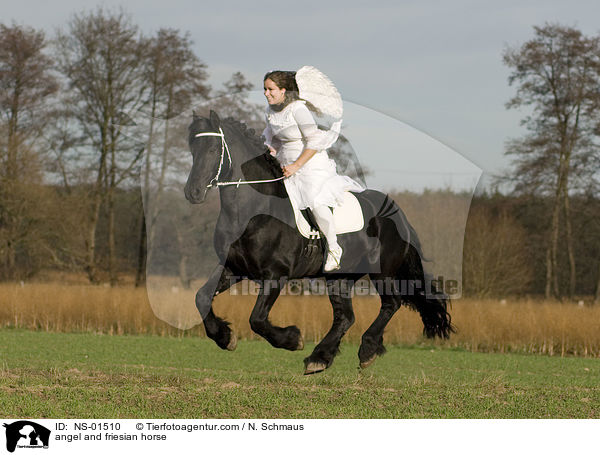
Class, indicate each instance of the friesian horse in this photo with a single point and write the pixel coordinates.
(256, 238)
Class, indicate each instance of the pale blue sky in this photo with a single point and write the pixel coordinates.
(433, 65)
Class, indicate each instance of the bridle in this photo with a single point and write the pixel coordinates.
(224, 148)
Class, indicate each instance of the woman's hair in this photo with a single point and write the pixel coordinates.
(287, 80)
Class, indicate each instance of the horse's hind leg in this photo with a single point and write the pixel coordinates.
(216, 328)
(280, 337)
(343, 317)
(372, 340)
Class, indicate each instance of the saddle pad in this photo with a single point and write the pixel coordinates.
(347, 218)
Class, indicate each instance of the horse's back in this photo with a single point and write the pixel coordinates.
(380, 209)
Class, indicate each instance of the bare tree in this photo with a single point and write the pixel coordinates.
(232, 101)
(557, 74)
(26, 83)
(174, 76)
(101, 58)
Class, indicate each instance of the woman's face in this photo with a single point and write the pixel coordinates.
(273, 94)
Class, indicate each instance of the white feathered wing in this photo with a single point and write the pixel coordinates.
(316, 88)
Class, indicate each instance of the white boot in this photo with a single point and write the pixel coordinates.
(333, 259)
(324, 219)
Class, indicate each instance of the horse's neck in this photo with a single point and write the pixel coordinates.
(249, 162)
(241, 152)
(238, 206)
(244, 197)
(239, 203)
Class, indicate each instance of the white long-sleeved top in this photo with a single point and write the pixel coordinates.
(291, 131)
(294, 129)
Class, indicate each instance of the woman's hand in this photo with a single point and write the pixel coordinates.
(272, 151)
(290, 169)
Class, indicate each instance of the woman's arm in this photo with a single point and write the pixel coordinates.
(311, 134)
(268, 135)
(306, 155)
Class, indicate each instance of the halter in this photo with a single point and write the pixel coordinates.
(225, 148)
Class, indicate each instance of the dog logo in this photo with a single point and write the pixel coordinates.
(26, 434)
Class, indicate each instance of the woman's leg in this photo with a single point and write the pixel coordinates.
(324, 218)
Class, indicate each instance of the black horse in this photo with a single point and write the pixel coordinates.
(256, 238)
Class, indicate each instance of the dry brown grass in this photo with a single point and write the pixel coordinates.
(80, 308)
(523, 325)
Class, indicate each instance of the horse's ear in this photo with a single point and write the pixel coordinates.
(194, 115)
(215, 121)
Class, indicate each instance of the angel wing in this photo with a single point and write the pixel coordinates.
(316, 88)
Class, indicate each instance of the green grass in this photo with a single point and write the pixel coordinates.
(57, 375)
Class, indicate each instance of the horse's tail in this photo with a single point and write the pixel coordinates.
(422, 295)
(417, 288)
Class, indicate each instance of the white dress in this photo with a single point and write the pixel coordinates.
(317, 183)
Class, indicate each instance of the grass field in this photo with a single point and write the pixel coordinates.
(61, 375)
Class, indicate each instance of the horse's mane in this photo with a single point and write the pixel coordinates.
(255, 140)
(249, 134)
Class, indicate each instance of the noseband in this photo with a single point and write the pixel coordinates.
(224, 148)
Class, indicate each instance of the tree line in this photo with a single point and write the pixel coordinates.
(92, 140)
(66, 152)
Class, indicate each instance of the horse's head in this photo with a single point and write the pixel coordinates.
(210, 160)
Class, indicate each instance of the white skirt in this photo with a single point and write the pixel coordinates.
(318, 183)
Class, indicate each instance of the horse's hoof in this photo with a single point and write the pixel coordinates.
(367, 363)
(314, 367)
(232, 342)
(300, 344)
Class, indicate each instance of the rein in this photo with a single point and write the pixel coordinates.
(224, 148)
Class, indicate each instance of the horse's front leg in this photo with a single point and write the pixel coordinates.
(216, 328)
(343, 317)
(280, 337)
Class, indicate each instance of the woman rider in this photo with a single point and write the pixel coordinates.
(300, 146)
